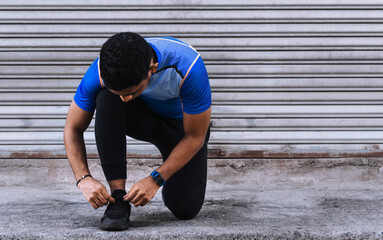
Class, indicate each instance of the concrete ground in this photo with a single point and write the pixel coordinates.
(236, 211)
(245, 199)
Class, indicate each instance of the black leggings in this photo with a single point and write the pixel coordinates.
(184, 192)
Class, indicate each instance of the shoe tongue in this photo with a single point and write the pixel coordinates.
(118, 194)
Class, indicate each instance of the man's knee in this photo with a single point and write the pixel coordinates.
(185, 212)
(184, 205)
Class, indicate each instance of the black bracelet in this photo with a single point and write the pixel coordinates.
(85, 176)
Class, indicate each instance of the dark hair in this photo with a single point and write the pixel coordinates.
(124, 60)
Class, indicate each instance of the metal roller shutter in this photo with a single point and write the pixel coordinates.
(296, 78)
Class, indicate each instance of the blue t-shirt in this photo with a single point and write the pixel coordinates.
(181, 83)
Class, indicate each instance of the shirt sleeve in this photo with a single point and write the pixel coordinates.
(90, 85)
(195, 90)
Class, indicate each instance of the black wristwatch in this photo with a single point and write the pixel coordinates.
(158, 178)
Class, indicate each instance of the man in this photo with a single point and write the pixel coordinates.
(156, 90)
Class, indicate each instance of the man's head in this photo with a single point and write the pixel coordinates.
(126, 62)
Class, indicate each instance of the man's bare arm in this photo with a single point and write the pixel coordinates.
(77, 122)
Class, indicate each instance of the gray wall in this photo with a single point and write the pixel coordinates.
(290, 78)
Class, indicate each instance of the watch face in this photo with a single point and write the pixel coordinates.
(158, 178)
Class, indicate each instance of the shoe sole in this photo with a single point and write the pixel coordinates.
(114, 224)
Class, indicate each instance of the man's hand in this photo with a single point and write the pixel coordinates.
(95, 193)
(142, 192)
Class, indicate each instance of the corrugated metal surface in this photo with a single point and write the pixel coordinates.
(290, 78)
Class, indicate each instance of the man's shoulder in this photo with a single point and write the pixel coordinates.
(93, 73)
(171, 45)
(89, 86)
(165, 39)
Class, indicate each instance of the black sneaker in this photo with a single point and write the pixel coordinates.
(116, 216)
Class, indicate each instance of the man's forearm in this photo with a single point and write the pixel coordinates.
(181, 155)
(75, 149)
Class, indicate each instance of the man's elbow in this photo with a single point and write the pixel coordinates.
(67, 130)
(70, 131)
(199, 142)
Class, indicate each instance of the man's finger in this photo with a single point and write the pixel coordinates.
(130, 195)
(98, 202)
(138, 202)
(137, 198)
(106, 195)
(142, 202)
(102, 200)
(111, 199)
(94, 205)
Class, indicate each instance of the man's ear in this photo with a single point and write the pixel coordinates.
(154, 67)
